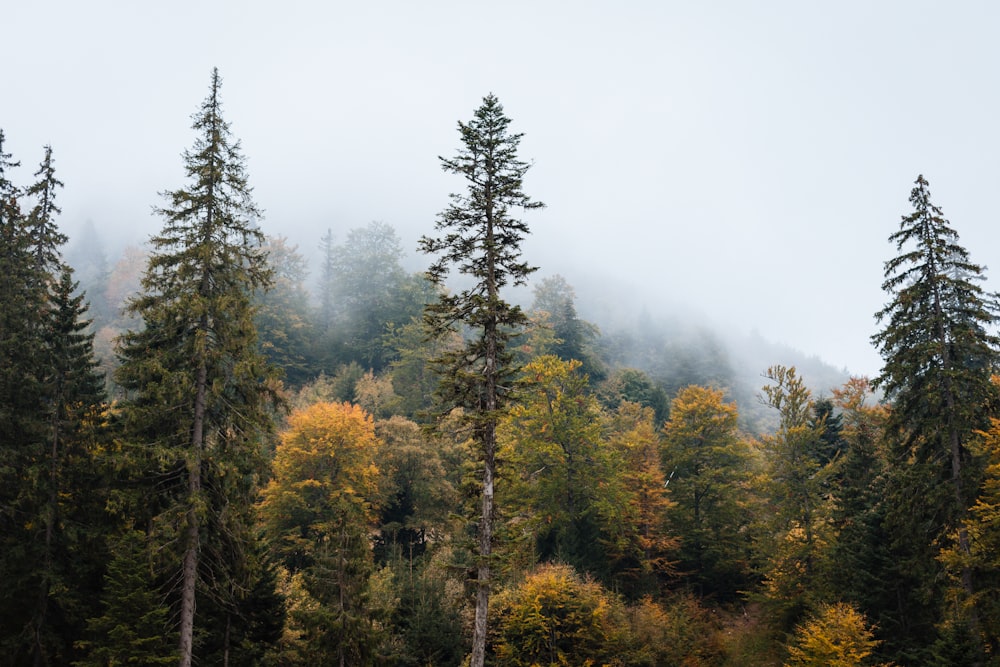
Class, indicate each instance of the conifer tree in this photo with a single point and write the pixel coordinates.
(46, 239)
(199, 390)
(51, 399)
(481, 238)
(939, 358)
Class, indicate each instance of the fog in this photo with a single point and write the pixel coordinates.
(738, 164)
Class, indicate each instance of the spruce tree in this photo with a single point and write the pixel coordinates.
(198, 389)
(939, 358)
(46, 239)
(50, 405)
(481, 238)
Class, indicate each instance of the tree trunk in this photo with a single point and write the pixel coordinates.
(189, 574)
(485, 548)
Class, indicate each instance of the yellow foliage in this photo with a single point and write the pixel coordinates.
(836, 636)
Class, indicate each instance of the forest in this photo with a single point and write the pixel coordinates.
(207, 460)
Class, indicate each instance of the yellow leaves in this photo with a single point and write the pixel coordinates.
(325, 465)
(557, 618)
(836, 636)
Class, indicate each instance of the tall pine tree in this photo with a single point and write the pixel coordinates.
(481, 238)
(939, 358)
(199, 390)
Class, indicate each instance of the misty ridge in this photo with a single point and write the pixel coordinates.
(674, 345)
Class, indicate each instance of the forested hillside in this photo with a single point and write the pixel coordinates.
(214, 453)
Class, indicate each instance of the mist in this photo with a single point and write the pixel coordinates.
(740, 165)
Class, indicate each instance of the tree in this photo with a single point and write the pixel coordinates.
(283, 318)
(52, 403)
(198, 389)
(799, 535)
(939, 358)
(982, 526)
(370, 293)
(481, 238)
(46, 238)
(318, 512)
(708, 466)
(418, 494)
(555, 467)
(555, 617)
(836, 636)
(634, 503)
(61, 471)
(574, 338)
(133, 625)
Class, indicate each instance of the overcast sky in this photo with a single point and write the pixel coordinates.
(744, 159)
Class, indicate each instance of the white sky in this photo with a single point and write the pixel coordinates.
(746, 159)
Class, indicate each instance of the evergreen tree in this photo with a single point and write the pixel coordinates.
(284, 321)
(939, 358)
(199, 390)
(326, 297)
(61, 474)
(52, 400)
(46, 239)
(133, 628)
(574, 337)
(371, 294)
(481, 238)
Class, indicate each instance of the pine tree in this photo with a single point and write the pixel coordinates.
(481, 238)
(52, 402)
(939, 358)
(199, 391)
(132, 628)
(62, 470)
(46, 239)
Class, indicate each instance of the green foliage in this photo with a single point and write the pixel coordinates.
(939, 359)
(555, 467)
(366, 294)
(983, 556)
(633, 386)
(798, 535)
(51, 418)
(708, 464)
(283, 318)
(414, 379)
(199, 391)
(419, 497)
(134, 627)
(482, 240)
(572, 338)
(428, 616)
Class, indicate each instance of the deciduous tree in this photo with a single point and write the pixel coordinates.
(708, 464)
(318, 511)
